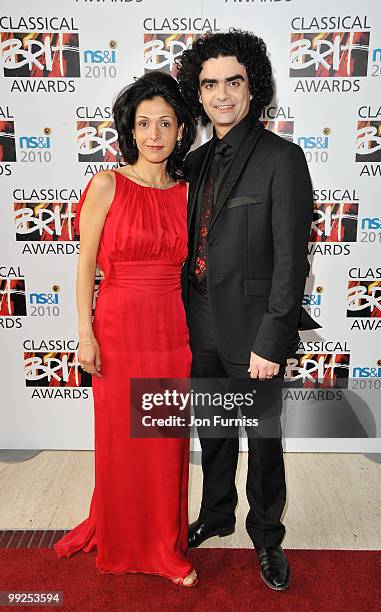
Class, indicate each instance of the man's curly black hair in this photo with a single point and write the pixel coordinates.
(249, 51)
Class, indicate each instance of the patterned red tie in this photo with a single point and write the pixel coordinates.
(207, 209)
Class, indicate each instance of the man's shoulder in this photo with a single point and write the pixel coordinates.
(276, 142)
(198, 153)
(276, 147)
(194, 158)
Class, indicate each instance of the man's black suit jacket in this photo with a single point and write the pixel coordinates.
(257, 246)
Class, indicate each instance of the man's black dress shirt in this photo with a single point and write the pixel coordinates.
(233, 139)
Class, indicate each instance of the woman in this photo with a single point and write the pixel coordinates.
(133, 226)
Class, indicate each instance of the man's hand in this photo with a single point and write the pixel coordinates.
(262, 368)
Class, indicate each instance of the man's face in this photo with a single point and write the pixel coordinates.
(224, 92)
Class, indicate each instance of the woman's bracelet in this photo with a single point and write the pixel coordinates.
(87, 342)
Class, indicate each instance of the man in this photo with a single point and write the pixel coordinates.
(250, 211)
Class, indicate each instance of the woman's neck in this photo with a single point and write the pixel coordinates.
(156, 174)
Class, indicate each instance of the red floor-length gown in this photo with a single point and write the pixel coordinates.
(138, 513)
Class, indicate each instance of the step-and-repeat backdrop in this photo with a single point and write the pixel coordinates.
(61, 66)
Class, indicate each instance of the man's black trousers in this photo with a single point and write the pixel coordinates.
(265, 485)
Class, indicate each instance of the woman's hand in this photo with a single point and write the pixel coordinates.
(89, 357)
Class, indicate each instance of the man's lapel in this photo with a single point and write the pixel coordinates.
(236, 168)
(198, 174)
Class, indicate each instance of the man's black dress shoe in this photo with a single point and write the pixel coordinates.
(199, 532)
(275, 570)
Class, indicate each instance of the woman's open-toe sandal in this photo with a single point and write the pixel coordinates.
(180, 581)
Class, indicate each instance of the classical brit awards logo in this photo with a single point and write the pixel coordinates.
(12, 297)
(44, 221)
(322, 364)
(364, 298)
(368, 140)
(97, 139)
(52, 370)
(40, 54)
(329, 54)
(166, 39)
(335, 221)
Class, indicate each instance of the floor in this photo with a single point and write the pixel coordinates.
(334, 500)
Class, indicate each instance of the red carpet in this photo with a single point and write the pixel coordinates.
(324, 581)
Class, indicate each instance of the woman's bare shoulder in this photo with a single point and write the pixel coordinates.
(102, 186)
(104, 180)
(101, 192)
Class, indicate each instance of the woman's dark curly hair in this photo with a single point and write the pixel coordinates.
(153, 84)
(249, 51)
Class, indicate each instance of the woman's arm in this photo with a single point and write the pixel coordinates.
(93, 214)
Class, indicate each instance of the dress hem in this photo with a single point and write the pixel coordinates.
(123, 572)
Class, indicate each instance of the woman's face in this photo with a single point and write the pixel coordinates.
(156, 130)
